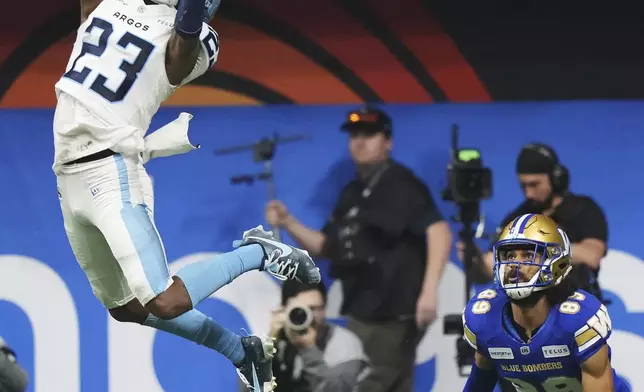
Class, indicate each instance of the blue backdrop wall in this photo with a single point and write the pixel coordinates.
(65, 339)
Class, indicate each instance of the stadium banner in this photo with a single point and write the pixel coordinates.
(67, 341)
(344, 52)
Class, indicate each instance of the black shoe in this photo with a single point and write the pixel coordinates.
(258, 357)
(283, 261)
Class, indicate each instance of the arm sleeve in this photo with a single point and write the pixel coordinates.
(479, 380)
(592, 335)
(472, 330)
(208, 53)
(468, 335)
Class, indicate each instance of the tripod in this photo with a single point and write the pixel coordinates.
(263, 151)
(468, 216)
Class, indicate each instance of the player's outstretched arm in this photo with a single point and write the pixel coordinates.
(483, 377)
(596, 372)
(183, 47)
(87, 7)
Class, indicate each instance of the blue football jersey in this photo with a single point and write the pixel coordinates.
(573, 331)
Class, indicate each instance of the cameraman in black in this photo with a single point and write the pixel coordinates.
(388, 244)
(13, 378)
(545, 181)
(312, 355)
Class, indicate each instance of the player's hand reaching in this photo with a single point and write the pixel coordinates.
(276, 213)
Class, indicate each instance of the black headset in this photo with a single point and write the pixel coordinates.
(559, 176)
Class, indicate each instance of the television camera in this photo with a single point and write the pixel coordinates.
(468, 183)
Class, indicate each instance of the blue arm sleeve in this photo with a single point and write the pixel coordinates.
(189, 20)
(481, 380)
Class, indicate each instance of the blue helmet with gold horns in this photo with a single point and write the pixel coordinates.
(532, 254)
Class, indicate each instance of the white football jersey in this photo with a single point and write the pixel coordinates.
(117, 73)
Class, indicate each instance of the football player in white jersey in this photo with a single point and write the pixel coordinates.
(128, 57)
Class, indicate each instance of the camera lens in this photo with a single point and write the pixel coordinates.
(298, 316)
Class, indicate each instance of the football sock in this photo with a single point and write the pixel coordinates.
(201, 329)
(205, 277)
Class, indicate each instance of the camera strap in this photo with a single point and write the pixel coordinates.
(373, 181)
(367, 190)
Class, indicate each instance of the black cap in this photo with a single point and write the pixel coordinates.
(368, 120)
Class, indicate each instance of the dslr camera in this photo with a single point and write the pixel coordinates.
(299, 318)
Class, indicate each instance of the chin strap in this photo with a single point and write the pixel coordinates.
(530, 300)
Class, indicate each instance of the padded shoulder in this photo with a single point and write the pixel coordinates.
(482, 315)
(586, 318)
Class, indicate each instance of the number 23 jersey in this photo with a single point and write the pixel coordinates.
(117, 65)
(551, 361)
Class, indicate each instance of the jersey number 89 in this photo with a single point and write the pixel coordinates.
(131, 70)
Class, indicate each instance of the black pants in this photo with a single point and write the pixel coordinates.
(391, 348)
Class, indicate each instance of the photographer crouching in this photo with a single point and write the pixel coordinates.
(312, 355)
(12, 377)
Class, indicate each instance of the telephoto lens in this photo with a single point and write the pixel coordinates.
(299, 318)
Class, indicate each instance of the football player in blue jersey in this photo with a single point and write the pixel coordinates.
(534, 330)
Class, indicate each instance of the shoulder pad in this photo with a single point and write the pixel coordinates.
(479, 310)
(586, 317)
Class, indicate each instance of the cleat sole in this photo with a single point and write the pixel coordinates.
(269, 348)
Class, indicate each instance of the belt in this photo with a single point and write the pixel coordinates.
(92, 157)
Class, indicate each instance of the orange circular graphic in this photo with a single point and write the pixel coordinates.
(346, 52)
